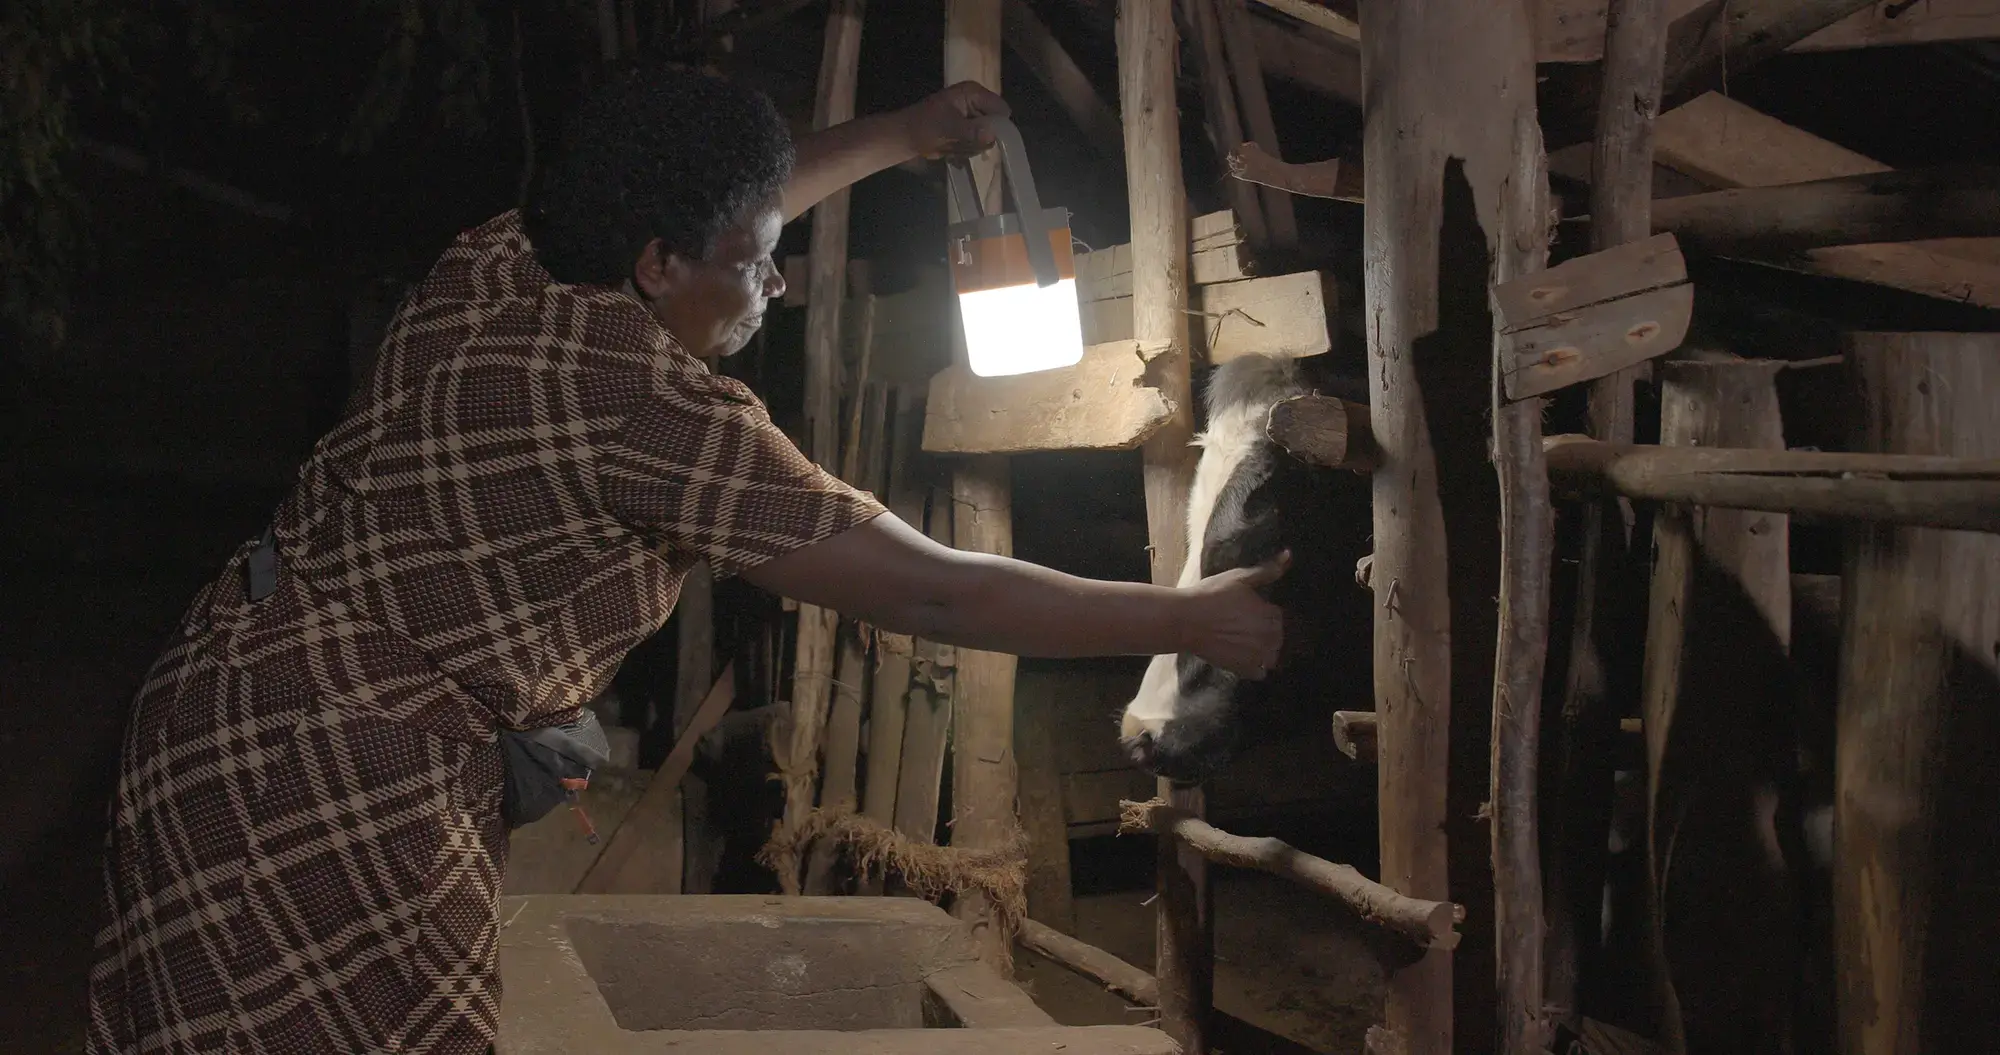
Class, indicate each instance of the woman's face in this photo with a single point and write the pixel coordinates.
(714, 306)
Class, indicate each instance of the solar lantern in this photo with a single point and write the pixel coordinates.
(1014, 272)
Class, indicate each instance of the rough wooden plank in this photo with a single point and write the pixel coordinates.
(1148, 52)
(1597, 341)
(1930, 492)
(1102, 403)
(1593, 316)
(1281, 317)
(889, 688)
(1904, 205)
(1314, 14)
(1041, 808)
(1324, 431)
(1921, 614)
(702, 844)
(927, 722)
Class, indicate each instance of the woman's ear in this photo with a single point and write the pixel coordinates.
(658, 272)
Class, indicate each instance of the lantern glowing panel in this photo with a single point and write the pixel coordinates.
(1014, 324)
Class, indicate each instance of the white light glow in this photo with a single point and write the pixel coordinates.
(1022, 329)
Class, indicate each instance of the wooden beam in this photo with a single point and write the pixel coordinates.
(1919, 616)
(1333, 178)
(1573, 30)
(1727, 144)
(1703, 46)
(1593, 316)
(1148, 52)
(1905, 205)
(1621, 209)
(1895, 489)
(1225, 119)
(1049, 63)
(813, 661)
(1324, 430)
(1246, 71)
(1314, 14)
(1310, 58)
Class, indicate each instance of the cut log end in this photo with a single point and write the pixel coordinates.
(1324, 431)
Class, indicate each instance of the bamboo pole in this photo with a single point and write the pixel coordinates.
(1148, 52)
(1621, 197)
(1920, 618)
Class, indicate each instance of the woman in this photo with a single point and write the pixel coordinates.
(306, 849)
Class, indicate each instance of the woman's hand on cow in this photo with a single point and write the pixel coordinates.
(1229, 624)
(952, 123)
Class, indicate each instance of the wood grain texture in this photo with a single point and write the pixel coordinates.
(1101, 403)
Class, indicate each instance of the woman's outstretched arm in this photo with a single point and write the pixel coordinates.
(891, 575)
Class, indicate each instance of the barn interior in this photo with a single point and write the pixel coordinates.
(1652, 408)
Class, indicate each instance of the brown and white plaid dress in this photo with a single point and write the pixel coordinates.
(306, 851)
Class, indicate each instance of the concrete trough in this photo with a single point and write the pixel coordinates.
(743, 974)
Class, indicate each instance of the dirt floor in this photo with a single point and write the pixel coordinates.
(1285, 962)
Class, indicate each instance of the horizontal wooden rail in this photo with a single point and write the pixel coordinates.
(1427, 924)
(1961, 493)
(1116, 975)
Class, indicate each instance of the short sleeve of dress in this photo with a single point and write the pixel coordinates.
(700, 464)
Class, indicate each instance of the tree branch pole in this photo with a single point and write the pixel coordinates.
(1423, 924)
(1621, 196)
(1958, 493)
(812, 677)
(1902, 205)
(1148, 52)
(1118, 976)
(984, 779)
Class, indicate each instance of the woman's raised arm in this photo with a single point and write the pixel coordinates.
(950, 122)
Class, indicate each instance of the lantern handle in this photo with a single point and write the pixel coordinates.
(1034, 222)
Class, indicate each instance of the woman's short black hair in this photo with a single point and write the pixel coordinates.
(661, 151)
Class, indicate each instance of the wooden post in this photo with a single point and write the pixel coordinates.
(1695, 677)
(1919, 677)
(812, 676)
(1148, 50)
(701, 846)
(1456, 197)
(1050, 894)
(888, 705)
(983, 774)
(1621, 197)
(928, 716)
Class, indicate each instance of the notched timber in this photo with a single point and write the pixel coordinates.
(1593, 316)
(1333, 178)
(1325, 431)
(1101, 403)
